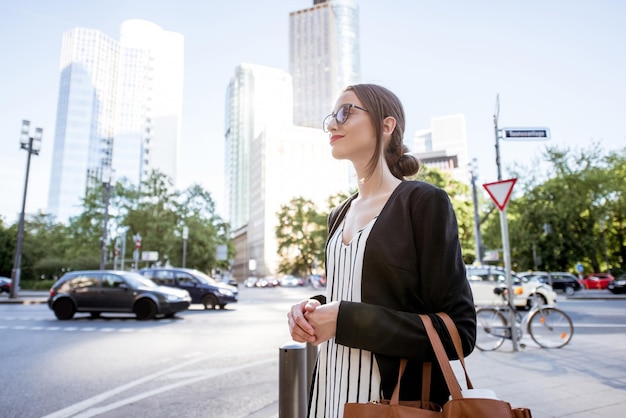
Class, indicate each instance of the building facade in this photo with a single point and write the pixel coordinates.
(324, 57)
(444, 146)
(257, 97)
(268, 162)
(119, 110)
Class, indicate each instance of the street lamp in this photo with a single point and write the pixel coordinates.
(107, 178)
(185, 236)
(479, 241)
(32, 144)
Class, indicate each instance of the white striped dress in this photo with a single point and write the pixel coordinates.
(344, 374)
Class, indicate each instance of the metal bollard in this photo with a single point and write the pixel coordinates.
(293, 389)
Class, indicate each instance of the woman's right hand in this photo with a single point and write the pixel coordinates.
(299, 328)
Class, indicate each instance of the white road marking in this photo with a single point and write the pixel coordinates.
(87, 407)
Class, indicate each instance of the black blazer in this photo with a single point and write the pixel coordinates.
(412, 265)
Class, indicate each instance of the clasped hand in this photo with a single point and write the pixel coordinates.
(309, 321)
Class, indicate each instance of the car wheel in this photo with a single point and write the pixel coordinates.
(209, 301)
(569, 290)
(64, 309)
(222, 306)
(145, 309)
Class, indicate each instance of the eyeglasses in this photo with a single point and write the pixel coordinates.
(341, 116)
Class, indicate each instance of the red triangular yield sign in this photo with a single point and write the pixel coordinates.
(500, 191)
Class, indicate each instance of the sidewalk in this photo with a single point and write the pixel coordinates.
(584, 379)
(26, 297)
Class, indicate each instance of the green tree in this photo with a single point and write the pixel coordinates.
(559, 222)
(301, 236)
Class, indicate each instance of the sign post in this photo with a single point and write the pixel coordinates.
(500, 193)
(137, 239)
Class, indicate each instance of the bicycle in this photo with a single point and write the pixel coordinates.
(548, 326)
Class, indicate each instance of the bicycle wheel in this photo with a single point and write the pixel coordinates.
(491, 328)
(550, 327)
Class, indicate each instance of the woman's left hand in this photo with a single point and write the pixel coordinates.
(324, 321)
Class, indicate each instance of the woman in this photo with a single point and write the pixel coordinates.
(392, 253)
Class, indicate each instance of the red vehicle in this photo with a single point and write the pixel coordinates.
(597, 280)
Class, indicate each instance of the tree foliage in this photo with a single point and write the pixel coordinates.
(562, 221)
(301, 236)
(154, 210)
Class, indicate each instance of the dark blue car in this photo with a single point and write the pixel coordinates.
(202, 287)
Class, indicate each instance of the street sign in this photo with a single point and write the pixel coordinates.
(500, 191)
(525, 134)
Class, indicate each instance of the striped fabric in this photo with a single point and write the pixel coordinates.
(344, 374)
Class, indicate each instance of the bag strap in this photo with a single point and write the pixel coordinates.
(427, 367)
(442, 358)
(395, 396)
(456, 339)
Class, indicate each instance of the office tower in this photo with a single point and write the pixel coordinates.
(444, 146)
(323, 57)
(256, 97)
(119, 109)
(293, 161)
(268, 161)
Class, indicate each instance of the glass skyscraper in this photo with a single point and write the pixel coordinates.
(257, 97)
(119, 108)
(324, 57)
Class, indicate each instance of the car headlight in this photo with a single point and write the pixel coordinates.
(174, 298)
(225, 292)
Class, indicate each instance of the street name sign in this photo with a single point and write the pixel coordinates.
(500, 192)
(524, 134)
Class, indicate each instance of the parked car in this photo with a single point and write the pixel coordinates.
(250, 281)
(316, 281)
(484, 279)
(618, 285)
(267, 281)
(98, 291)
(597, 280)
(564, 282)
(290, 281)
(202, 287)
(5, 284)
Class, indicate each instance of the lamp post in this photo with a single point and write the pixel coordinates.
(107, 178)
(32, 144)
(479, 241)
(185, 236)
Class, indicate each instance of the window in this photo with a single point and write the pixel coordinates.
(85, 280)
(185, 279)
(161, 277)
(111, 281)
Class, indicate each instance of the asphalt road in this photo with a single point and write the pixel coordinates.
(199, 364)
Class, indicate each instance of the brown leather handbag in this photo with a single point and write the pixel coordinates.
(457, 407)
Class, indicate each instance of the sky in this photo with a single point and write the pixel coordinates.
(559, 64)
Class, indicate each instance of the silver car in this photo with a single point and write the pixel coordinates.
(483, 279)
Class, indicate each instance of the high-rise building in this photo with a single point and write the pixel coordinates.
(257, 97)
(119, 109)
(268, 162)
(444, 146)
(324, 57)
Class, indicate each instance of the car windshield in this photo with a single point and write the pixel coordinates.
(204, 278)
(136, 280)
